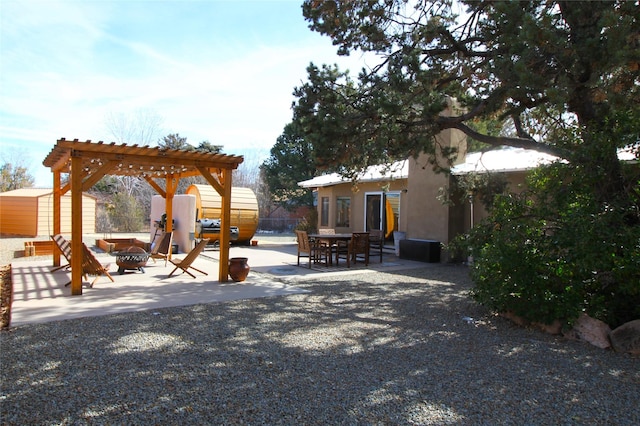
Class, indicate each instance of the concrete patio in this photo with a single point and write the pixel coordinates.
(41, 296)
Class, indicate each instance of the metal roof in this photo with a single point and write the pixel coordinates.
(510, 159)
(27, 192)
(33, 193)
(385, 172)
(505, 159)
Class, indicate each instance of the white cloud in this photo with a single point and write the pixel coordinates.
(68, 64)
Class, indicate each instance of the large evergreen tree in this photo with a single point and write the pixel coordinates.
(565, 75)
(290, 162)
(174, 141)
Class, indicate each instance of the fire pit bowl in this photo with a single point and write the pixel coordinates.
(131, 258)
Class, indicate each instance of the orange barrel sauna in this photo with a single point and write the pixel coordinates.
(244, 210)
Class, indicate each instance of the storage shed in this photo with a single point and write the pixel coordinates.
(244, 208)
(28, 212)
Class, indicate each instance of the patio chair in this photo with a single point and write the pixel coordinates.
(92, 266)
(65, 247)
(313, 250)
(185, 264)
(354, 249)
(333, 246)
(162, 249)
(376, 243)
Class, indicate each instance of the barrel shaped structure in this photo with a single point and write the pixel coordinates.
(244, 208)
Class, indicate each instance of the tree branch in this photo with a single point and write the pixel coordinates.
(448, 123)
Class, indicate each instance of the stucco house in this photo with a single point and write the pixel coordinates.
(406, 196)
(401, 197)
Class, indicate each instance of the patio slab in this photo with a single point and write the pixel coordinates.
(41, 295)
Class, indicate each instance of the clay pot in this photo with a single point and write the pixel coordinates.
(238, 268)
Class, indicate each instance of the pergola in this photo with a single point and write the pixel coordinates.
(87, 162)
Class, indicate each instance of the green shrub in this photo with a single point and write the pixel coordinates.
(555, 252)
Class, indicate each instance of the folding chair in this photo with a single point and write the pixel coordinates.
(162, 249)
(92, 266)
(185, 263)
(65, 249)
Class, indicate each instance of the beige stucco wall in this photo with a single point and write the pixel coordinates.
(426, 216)
(357, 196)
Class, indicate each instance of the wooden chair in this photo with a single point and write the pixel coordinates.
(316, 252)
(376, 243)
(185, 264)
(65, 248)
(162, 249)
(326, 231)
(92, 266)
(333, 247)
(354, 249)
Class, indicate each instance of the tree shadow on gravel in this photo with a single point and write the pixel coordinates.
(384, 348)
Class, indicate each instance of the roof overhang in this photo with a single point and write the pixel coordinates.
(504, 160)
(379, 173)
(508, 159)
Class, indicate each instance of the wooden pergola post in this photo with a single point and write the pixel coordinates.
(57, 226)
(76, 224)
(225, 225)
(171, 186)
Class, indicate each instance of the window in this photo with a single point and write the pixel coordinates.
(343, 212)
(324, 212)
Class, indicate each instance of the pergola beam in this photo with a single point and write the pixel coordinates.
(97, 175)
(155, 186)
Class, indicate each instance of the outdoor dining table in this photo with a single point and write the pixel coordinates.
(331, 239)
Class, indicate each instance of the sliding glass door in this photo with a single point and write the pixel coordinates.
(382, 210)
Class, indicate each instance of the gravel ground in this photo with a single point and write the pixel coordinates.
(372, 349)
(13, 249)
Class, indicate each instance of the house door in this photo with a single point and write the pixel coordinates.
(382, 211)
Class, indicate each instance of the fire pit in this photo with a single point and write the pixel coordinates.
(131, 258)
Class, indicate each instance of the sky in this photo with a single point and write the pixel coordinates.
(221, 71)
